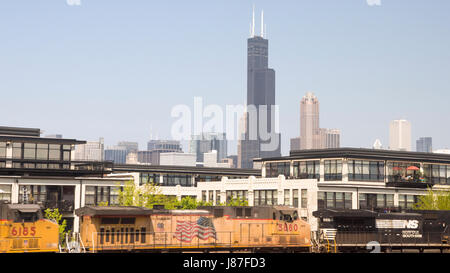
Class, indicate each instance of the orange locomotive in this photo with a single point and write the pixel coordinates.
(23, 229)
(208, 229)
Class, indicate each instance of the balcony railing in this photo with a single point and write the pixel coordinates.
(408, 182)
(62, 206)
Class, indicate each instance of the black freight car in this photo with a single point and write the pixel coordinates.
(363, 230)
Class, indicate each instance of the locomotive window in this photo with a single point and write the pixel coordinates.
(274, 216)
(143, 235)
(110, 221)
(131, 235)
(102, 233)
(26, 217)
(248, 212)
(239, 212)
(218, 213)
(128, 221)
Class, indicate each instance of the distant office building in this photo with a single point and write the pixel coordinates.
(295, 144)
(132, 158)
(232, 160)
(177, 159)
(129, 146)
(311, 135)
(330, 138)
(164, 145)
(157, 147)
(117, 154)
(210, 160)
(424, 145)
(400, 135)
(91, 151)
(205, 143)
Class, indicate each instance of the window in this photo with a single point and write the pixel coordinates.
(404, 172)
(54, 152)
(148, 178)
(204, 196)
(217, 197)
(274, 169)
(234, 195)
(2, 149)
(407, 201)
(304, 202)
(341, 200)
(265, 197)
(94, 195)
(287, 195)
(307, 169)
(359, 170)
(174, 180)
(42, 151)
(373, 201)
(29, 151)
(295, 198)
(333, 170)
(5, 192)
(211, 196)
(17, 150)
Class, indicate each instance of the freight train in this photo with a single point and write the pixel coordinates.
(137, 229)
(344, 230)
(23, 229)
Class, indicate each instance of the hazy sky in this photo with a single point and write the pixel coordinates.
(116, 68)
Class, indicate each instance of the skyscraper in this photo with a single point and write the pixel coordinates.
(260, 100)
(311, 135)
(207, 142)
(309, 122)
(400, 135)
(424, 145)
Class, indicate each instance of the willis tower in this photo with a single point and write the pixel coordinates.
(259, 139)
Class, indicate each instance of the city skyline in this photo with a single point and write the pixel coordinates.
(72, 78)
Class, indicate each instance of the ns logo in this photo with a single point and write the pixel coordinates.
(411, 224)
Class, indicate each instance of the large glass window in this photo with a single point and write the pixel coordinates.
(174, 180)
(373, 201)
(96, 195)
(295, 198)
(336, 200)
(17, 150)
(234, 195)
(437, 174)
(274, 169)
(404, 172)
(265, 197)
(29, 151)
(149, 178)
(359, 170)
(54, 152)
(5, 192)
(287, 197)
(42, 151)
(307, 169)
(333, 170)
(407, 201)
(304, 200)
(2, 149)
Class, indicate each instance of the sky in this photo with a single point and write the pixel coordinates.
(115, 69)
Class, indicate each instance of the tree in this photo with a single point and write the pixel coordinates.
(434, 200)
(56, 216)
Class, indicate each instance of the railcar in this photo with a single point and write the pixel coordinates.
(23, 229)
(363, 230)
(136, 229)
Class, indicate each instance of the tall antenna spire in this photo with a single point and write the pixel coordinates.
(262, 23)
(253, 22)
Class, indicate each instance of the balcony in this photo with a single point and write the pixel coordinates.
(63, 206)
(408, 182)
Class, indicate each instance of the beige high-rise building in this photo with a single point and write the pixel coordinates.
(309, 122)
(311, 135)
(400, 135)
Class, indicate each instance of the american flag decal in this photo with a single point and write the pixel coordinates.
(188, 230)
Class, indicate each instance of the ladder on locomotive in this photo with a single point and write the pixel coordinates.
(329, 236)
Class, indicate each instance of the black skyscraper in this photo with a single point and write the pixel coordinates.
(260, 96)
